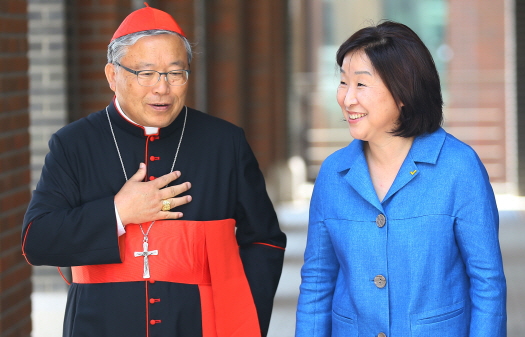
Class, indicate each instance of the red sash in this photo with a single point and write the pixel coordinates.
(204, 253)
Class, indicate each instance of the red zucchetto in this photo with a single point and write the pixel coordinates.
(147, 18)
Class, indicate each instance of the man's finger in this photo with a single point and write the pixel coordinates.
(140, 174)
(173, 191)
(164, 180)
(170, 215)
(176, 202)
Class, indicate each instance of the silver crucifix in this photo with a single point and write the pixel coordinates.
(145, 254)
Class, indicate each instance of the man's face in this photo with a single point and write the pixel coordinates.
(160, 104)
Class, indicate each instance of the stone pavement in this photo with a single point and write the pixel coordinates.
(49, 296)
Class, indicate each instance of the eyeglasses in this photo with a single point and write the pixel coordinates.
(148, 78)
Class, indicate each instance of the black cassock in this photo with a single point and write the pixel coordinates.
(71, 218)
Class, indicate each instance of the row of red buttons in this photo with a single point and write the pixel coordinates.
(153, 301)
(153, 158)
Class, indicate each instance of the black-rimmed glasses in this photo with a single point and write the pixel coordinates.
(148, 78)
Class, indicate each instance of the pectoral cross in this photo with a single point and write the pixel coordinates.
(145, 254)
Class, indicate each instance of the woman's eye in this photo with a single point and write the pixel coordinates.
(342, 83)
(360, 85)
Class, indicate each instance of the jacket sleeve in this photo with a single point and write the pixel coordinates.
(476, 231)
(319, 274)
(62, 229)
(261, 242)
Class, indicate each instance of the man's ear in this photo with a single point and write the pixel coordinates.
(111, 75)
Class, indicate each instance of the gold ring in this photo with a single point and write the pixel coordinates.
(166, 205)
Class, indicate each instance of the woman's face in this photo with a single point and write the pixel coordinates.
(367, 104)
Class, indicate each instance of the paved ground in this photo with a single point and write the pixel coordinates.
(49, 296)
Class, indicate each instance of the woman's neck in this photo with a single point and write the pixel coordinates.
(392, 150)
(384, 161)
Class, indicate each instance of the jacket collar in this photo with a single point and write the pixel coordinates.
(425, 149)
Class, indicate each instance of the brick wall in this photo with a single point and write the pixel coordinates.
(15, 273)
(47, 71)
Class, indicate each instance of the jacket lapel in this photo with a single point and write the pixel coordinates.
(407, 172)
(425, 149)
(357, 175)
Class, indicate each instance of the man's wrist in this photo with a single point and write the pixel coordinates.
(120, 226)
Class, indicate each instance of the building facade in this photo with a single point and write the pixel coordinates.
(267, 66)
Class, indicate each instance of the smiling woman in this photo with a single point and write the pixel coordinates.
(403, 228)
(408, 73)
(366, 102)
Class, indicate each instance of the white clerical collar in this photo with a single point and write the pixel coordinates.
(148, 130)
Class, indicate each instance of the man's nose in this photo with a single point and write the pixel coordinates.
(162, 86)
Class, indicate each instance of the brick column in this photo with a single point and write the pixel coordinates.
(15, 273)
(266, 77)
(225, 61)
(246, 70)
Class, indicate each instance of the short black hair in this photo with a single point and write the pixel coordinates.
(406, 67)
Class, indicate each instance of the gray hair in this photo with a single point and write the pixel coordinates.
(119, 47)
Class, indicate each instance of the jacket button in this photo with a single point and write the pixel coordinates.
(153, 300)
(151, 178)
(153, 158)
(154, 321)
(380, 220)
(380, 281)
(381, 334)
(151, 281)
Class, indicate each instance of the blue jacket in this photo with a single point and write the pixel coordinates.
(432, 267)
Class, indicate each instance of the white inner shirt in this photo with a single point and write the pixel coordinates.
(150, 130)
